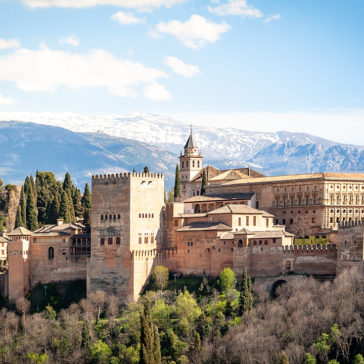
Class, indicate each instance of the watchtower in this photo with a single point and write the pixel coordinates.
(126, 232)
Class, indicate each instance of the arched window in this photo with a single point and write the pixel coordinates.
(198, 164)
(240, 243)
(183, 164)
(50, 253)
(193, 163)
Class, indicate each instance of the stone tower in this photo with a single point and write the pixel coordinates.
(126, 232)
(190, 161)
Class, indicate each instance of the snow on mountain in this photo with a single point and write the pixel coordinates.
(272, 153)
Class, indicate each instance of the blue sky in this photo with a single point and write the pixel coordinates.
(260, 65)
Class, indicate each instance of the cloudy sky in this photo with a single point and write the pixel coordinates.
(254, 64)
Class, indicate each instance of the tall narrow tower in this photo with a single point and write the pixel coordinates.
(190, 161)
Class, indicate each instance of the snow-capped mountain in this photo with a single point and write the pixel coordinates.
(125, 140)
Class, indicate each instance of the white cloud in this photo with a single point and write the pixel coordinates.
(46, 70)
(181, 68)
(6, 100)
(156, 91)
(71, 40)
(195, 32)
(10, 43)
(236, 7)
(270, 18)
(125, 18)
(130, 4)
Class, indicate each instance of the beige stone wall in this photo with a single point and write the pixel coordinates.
(62, 267)
(305, 206)
(133, 205)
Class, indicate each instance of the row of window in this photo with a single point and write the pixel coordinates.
(148, 238)
(293, 201)
(110, 241)
(344, 211)
(247, 220)
(194, 164)
(338, 199)
(291, 221)
(146, 216)
(110, 217)
(299, 211)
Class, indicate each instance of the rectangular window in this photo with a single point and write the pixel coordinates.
(145, 239)
(254, 221)
(102, 241)
(140, 238)
(176, 223)
(118, 240)
(267, 223)
(152, 238)
(239, 221)
(109, 241)
(247, 221)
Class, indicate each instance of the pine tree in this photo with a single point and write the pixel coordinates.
(32, 216)
(204, 183)
(86, 198)
(150, 351)
(177, 184)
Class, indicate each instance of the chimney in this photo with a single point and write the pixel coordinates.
(59, 222)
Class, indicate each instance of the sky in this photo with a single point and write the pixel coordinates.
(262, 65)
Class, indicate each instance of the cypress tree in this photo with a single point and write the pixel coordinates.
(21, 214)
(246, 297)
(77, 202)
(67, 184)
(32, 216)
(28, 186)
(177, 184)
(87, 219)
(53, 210)
(64, 209)
(204, 183)
(86, 198)
(18, 219)
(150, 351)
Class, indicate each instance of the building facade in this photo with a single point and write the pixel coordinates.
(127, 225)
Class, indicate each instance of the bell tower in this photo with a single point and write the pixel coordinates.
(190, 160)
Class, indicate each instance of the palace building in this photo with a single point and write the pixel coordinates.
(244, 220)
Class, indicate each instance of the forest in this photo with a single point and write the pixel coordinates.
(44, 199)
(196, 320)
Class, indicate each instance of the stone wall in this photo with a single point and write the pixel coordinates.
(126, 217)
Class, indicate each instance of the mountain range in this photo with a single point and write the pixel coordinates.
(86, 144)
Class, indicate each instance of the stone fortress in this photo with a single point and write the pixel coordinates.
(244, 220)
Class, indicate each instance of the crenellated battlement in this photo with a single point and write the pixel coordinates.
(122, 177)
(319, 248)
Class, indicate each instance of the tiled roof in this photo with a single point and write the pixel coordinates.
(54, 228)
(300, 177)
(4, 240)
(20, 231)
(235, 209)
(205, 225)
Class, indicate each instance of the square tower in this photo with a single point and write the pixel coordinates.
(126, 230)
